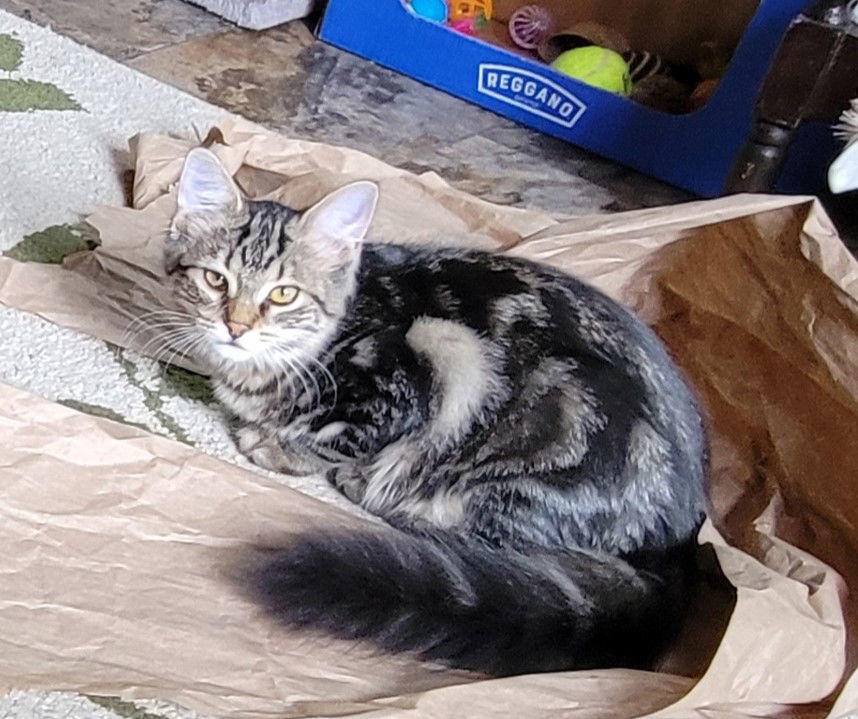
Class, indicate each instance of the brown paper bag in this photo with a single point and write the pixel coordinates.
(116, 571)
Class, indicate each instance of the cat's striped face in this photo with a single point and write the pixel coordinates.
(261, 283)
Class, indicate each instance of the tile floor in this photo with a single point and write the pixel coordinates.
(283, 78)
(288, 81)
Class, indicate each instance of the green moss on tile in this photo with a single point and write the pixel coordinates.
(176, 383)
(183, 383)
(11, 52)
(27, 95)
(54, 243)
(99, 411)
(129, 710)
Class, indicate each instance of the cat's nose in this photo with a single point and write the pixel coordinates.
(236, 329)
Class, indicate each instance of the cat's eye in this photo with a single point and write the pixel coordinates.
(214, 279)
(283, 295)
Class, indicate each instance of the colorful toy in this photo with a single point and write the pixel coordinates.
(530, 25)
(664, 85)
(469, 25)
(433, 10)
(596, 66)
(460, 9)
(643, 64)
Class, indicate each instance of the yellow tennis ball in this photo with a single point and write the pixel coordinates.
(596, 66)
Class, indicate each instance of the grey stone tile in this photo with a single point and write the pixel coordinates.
(348, 99)
(120, 29)
(286, 80)
(259, 75)
(484, 168)
(548, 159)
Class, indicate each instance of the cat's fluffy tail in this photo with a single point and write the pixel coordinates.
(469, 606)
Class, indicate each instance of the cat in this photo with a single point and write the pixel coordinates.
(538, 456)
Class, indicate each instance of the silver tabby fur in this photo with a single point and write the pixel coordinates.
(537, 454)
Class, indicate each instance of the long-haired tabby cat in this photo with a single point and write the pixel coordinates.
(538, 456)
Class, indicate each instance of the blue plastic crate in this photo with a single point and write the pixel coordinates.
(694, 151)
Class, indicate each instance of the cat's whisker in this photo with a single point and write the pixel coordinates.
(316, 400)
(189, 350)
(288, 369)
(174, 344)
(146, 318)
(144, 335)
(282, 374)
(185, 347)
(133, 334)
(163, 351)
(177, 348)
(155, 322)
(294, 368)
(302, 370)
(156, 345)
(316, 394)
(329, 378)
(163, 338)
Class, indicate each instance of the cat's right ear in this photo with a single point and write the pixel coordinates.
(206, 186)
(345, 214)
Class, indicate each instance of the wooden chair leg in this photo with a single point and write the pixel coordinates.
(758, 165)
(813, 76)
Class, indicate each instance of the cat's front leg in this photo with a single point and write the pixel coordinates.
(285, 458)
(294, 461)
(362, 478)
(381, 482)
(349, 479)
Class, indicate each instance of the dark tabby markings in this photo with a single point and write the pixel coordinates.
(538, 456)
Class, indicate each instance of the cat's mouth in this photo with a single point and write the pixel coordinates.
(237, 349)
(233, 351)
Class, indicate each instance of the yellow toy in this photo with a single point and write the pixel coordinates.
(461, 9)
(596, 66)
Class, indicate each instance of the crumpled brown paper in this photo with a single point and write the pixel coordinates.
(117, 544)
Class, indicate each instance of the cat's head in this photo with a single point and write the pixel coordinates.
(261, 284)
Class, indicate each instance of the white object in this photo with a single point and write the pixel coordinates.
(843, 173)
(258, 14)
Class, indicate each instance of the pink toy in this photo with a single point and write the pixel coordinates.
(530, 25)
(465, 25)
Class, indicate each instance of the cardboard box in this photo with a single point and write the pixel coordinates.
(694, 151)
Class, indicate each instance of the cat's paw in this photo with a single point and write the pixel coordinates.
(266, 452)
(274, 458)
(349, 480)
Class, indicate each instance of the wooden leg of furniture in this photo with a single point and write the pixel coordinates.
(814, 75)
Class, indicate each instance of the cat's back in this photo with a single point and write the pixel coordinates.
(496, 293)
(532, 313)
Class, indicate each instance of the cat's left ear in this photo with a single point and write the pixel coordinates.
(206, 186)
(345, 214)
